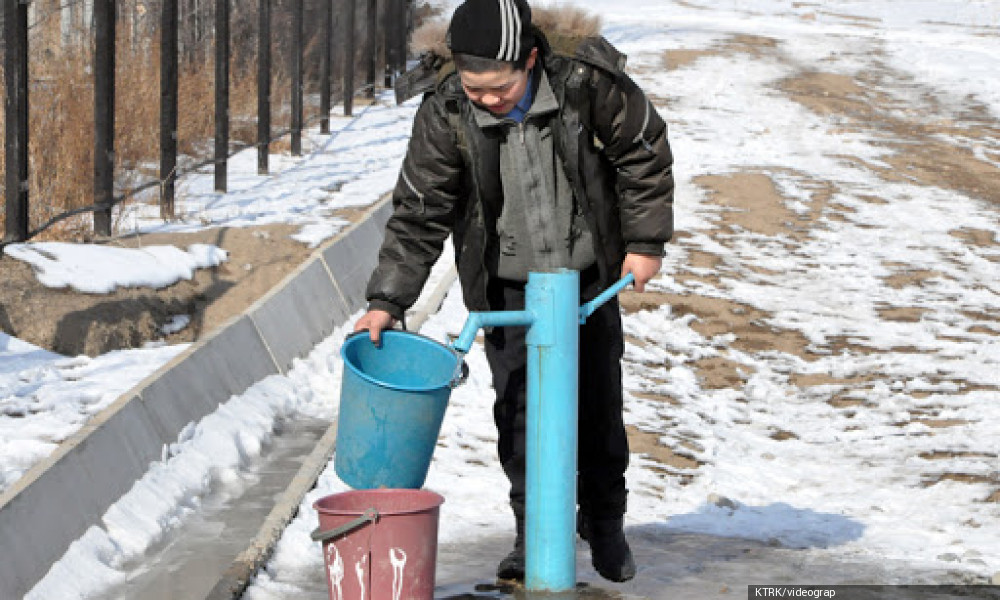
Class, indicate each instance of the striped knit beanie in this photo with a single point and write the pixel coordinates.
(496, 29)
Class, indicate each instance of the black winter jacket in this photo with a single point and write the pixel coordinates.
(609, 138)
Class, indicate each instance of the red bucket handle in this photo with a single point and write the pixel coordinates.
(369, 516)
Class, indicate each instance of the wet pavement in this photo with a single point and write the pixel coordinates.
(679, 566)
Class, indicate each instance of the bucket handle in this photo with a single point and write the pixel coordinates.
(461, 370)
(369, 516)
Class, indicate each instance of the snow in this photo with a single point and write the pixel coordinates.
(102, 270)
(853, 480)
(351, 167)
(45, 397)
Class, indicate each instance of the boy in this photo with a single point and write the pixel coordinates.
(534, 159)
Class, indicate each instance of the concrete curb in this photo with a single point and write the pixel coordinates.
(58, 499)
(238, 576)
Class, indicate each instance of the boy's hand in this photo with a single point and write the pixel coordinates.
(643, 267)
(375, 321)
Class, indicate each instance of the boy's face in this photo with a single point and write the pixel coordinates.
(498, 91)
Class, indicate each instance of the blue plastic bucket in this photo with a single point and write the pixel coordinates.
(392, 402)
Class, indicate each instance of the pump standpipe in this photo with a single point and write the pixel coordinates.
(553, 317)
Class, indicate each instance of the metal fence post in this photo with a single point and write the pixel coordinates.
(324, 67)
(104, 113)
(371, 46)
(221, 93)
(350, 56)
(168, 106)
(402, 33)
(336, 48)
(16, 110)
(263, 86)
(297, 50)
(390, 44)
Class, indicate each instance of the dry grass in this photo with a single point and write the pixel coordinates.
(61, 128)
(60, 147)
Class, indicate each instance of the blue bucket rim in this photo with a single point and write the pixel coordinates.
(448, 382)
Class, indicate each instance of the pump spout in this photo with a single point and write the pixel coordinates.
(478, 320)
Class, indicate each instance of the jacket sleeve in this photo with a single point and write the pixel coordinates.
(424, 201)
(635, 141)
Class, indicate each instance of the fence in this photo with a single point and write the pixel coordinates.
(383, 23)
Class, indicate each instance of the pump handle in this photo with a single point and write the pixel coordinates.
(588, 309)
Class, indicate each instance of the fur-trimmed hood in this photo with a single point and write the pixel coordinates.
(556, 22)
(563, 31)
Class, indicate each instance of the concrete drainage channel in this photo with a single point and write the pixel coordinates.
(188, 563)
(102, 461)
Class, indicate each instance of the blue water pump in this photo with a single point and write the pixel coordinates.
(553, 317)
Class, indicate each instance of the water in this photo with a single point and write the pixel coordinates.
(190, 561)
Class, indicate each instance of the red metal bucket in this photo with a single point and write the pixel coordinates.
(379, 544)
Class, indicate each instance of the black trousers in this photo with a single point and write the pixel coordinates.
(603, 445)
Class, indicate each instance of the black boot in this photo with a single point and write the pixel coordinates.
(512, 566)
(609, 551)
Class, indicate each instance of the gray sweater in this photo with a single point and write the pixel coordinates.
(540, 227)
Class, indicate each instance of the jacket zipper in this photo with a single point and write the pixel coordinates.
(484, 241)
